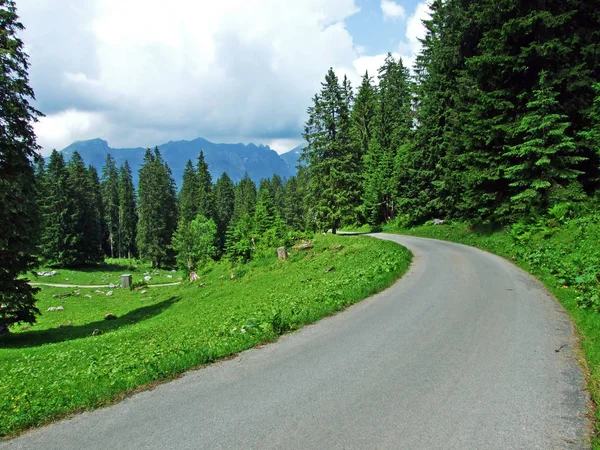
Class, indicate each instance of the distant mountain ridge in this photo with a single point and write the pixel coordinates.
(260, 161)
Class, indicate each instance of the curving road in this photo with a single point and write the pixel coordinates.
(465, 352)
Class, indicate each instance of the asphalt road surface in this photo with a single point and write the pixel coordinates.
(465, 352)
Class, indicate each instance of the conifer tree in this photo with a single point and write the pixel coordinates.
(206, 201)
(245, 198)
(110, 197)
(18, 149)
(127, 213)
(330, 156)
(363, 114)
(59, 216)
(294, 213)
(189, 193)
(88, 233)
(194, 243)
(546, 156)
(224, 203)
(96, 207)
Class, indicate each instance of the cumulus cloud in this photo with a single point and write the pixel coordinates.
(415, 31)
(134, 71)
(392, 10)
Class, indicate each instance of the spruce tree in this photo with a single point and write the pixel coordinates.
(18, 149)
(206, 202)
(188, 194)
(88, 232)
(224, 190)
(59, 234)
(96, 206)
(363, 114)
(546, 158)
(294, 213)
(127, 213)
(110, 197)
(194, 243)
(330, 156)
(245, 198)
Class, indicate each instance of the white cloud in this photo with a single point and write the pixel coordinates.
(415, 30)
(131, 71)
(392, 10)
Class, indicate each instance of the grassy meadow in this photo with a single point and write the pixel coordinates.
(74, 359)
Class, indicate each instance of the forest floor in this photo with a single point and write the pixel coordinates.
(73, 359)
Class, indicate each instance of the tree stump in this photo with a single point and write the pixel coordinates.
(282, 253)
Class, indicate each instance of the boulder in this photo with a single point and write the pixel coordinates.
(144, 291)
(329, 269)
(50, 273)
(59, 308)
(87, 296)
(437, 222)
(194, 277)
(282, 253)
(147, 278)
(109, 293)
(109, 316)
(52, 308)
(96, 332)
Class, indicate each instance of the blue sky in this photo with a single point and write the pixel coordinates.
(143, 72)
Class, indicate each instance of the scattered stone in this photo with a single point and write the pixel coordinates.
(437, 222)
(52, 308)
(63, 295)
(109, 293)
(87, 296)
(65, 325)
(203, 285)
(324, 234)
(329, 269)
(144, 292)
(303, 246)
(96, 332)
(60, 308)
(147, 278)
(173, 271)
(169, 276)
(113, 286)
(194, 277)
(221, 277)
(109, 316)
(44, 273)
(232, 276)
(282, 253)
(336, 247)
(145, 299)
(99, 292)
(66, 279)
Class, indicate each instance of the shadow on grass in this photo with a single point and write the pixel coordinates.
(54, 335)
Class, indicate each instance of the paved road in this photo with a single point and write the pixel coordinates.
(459, 354)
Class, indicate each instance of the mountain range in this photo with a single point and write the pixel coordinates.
(260, 161)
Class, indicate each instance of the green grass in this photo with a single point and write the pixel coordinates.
(565, 256)
(108, 273)
(49, 371)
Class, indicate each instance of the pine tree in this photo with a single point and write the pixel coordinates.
(363, 114)
(206, 201)
(87, 236)
(330, 156)
(127, 213)
(96, 207)
(110, 198)
(245, 198)
(188, 195)
(275, 187)
(224, 204)
(545, 158)
(18, 149)
(264, 213)
(59, 216)
(294, 212)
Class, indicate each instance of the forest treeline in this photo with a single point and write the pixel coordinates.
(498, 122)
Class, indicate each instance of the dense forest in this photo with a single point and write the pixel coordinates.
(497, 123)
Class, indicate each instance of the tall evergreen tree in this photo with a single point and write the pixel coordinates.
(224, 204)
(18, 149)
(294, 211)
(127, 213)
(330, 156)
(545, 158)
(189, 193)
(245, 198)
(157, 210)
(110, 197)
(206, 201)
(88, 234)
(363, 114)
(96, 205)
(59, 234)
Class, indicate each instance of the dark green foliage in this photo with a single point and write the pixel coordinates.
(188, 194)
(19, 223)
(110, 198)
(157, 211)
(87, 237)
(206, 201)
(224, 190)
(245, 198)
(333, 184)
(294, 200)
(127, 213)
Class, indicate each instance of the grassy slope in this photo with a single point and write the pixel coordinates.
(49, 371)
(565, 257)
